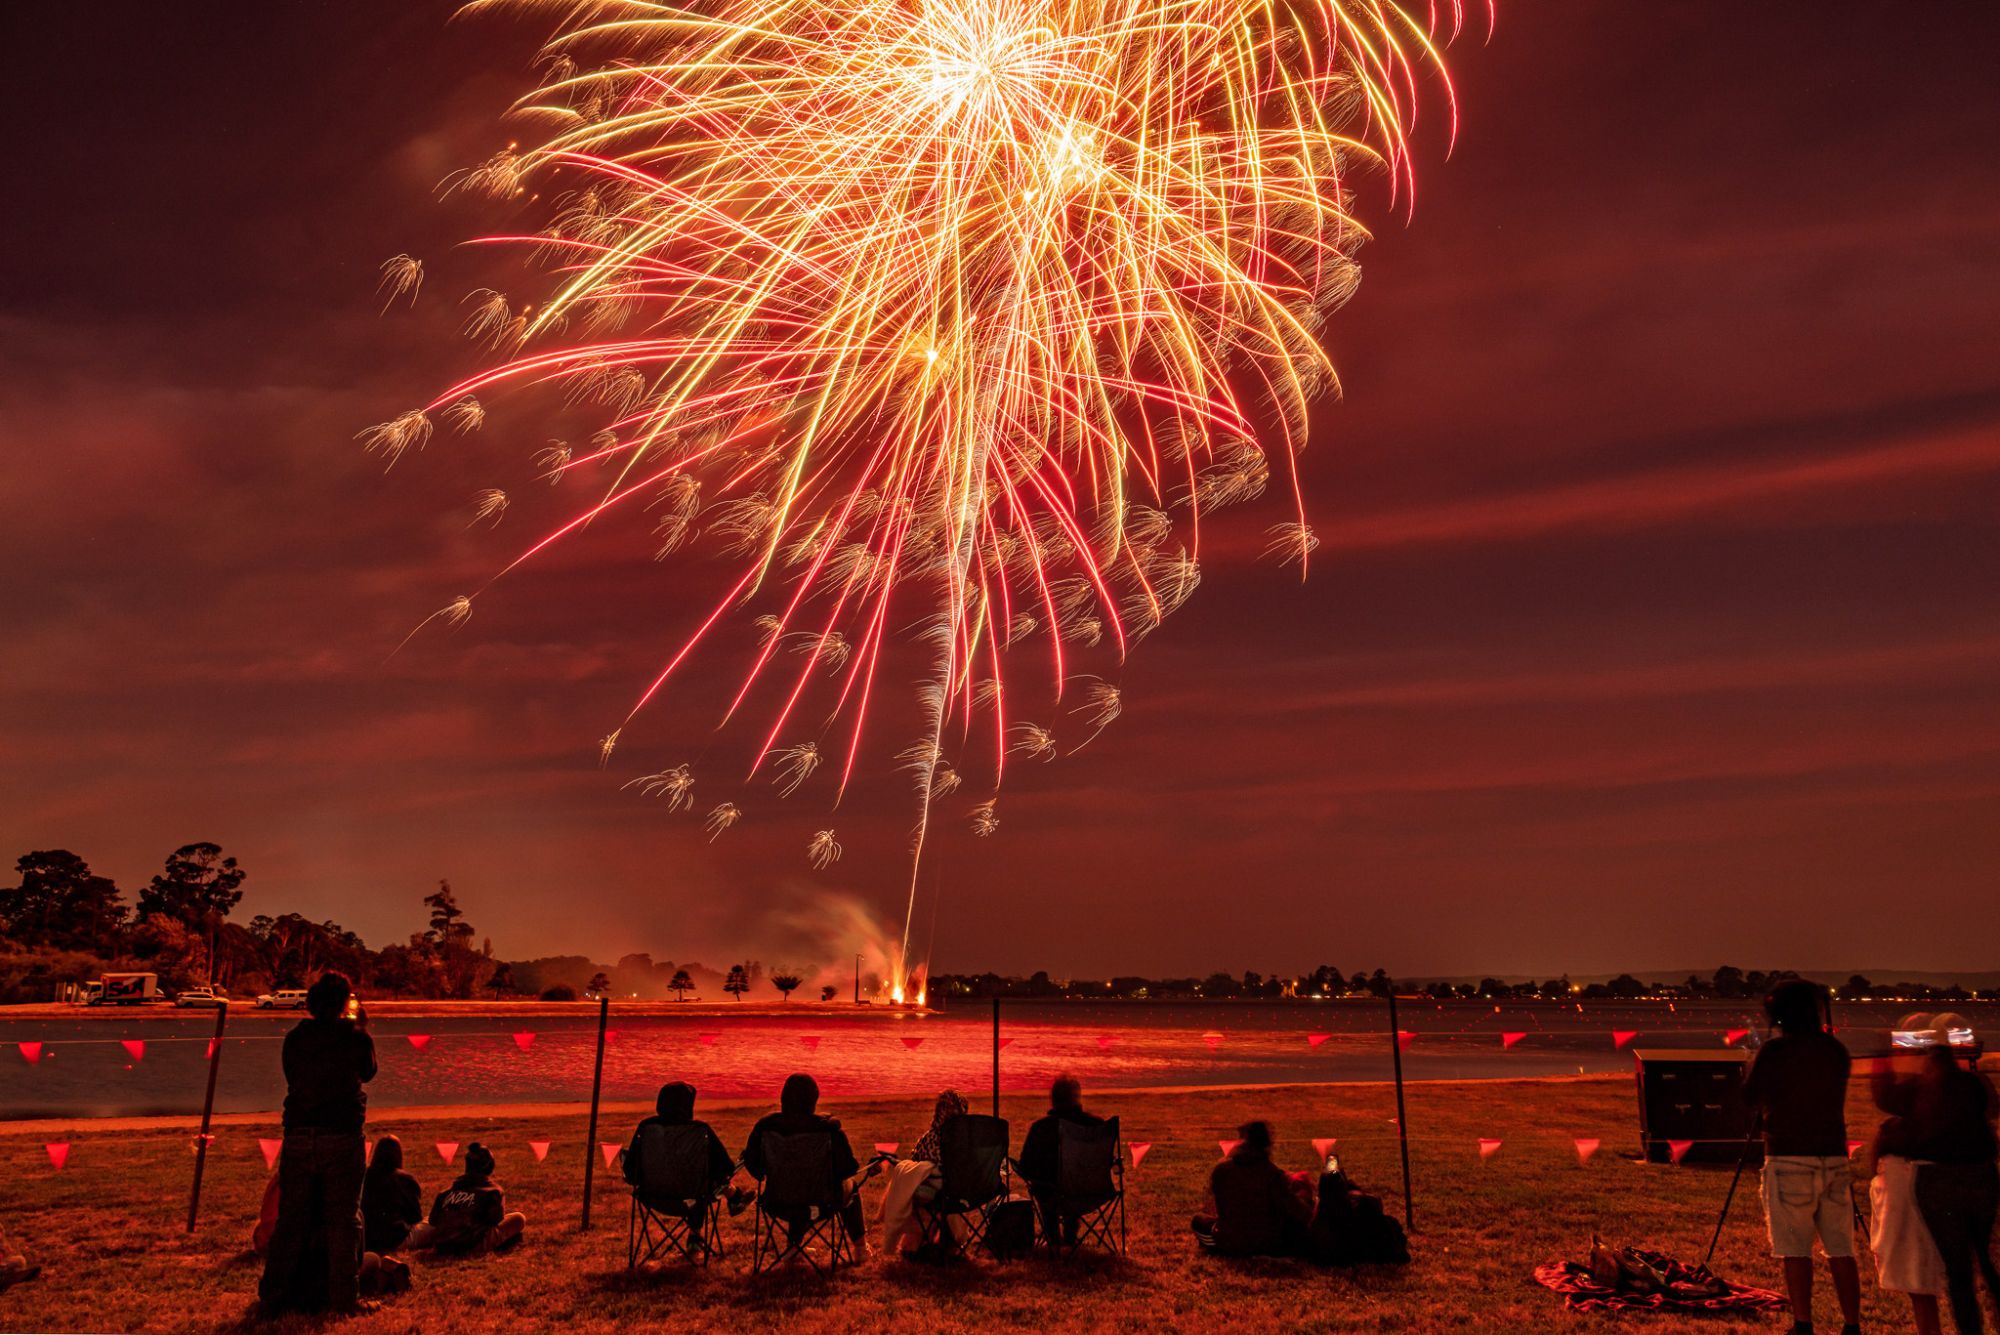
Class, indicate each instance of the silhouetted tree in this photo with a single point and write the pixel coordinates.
(682, 984)
(786, 982)
(60, 903)
(502, 981)
(599, 984)
(197, 881)
(829, 992)
(738, 981)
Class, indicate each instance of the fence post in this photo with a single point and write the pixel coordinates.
(1402, 1114)
(596, 1090)
(207, 1113)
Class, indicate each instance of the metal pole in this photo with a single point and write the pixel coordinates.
(1402, 1115)
(857, 980)
(207, 1113)
(596, 1089)
(996, 1054)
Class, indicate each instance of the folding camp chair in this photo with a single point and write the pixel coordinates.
(799, 1203)
(1090, 1187)
(973, 1150)
(675, 1208)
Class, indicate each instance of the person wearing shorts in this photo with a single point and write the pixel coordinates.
(1798, 1085)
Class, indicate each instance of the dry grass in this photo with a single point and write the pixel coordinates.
(108, 1229)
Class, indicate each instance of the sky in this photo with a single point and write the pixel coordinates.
(1656, 621)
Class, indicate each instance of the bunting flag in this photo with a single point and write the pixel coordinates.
(911, 1043)
(270, 1148)
(1488, 1147)
(1316, 1039)
(212, 1043)
(200, 1139)
(1213, 1039)
(541, 1149)
(611, 1036)
(1104, 1042)
(422, 1042)
(1323, 1146)
(610, 1153)
(1852, 1146)
(1403, 1037)
(1584, 1149)
(811, 1041)
(447, 1150)
(58, 1153)
(134, 1048)
(708, 1040)
(1677, 1150)
(1138, 1148)
(524, 1040)
(887, 1146)
(1227, 1146)
(30, 1052)
(1730, 1036)
(1511, 1037)
(1005, 1041)
(1620, 1037)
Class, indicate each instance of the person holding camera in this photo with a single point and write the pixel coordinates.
(328, 1057)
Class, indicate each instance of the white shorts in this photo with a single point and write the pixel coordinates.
(1809, 1196)
(1906, 1256)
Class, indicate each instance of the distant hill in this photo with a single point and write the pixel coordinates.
(1974, 980)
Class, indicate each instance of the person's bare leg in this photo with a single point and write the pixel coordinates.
(1924, 1314)
(1846, 1287)
(1798, 1287)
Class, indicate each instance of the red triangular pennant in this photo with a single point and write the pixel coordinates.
(1138, 1148)
(58, 1153)
(541, 1149)
(1511, 1037)
(1227, 1146)
(210, 1054)
(422, 1042)
(1104, 1042)
(30, 1052)
(1620, 1037)
(1730, 1036)
(1005, 1041)
(1403, 1037)
(524, 1040)
(1316, 1039)
(811, 1041)
(1323, 1146)
(134, 1048)
(1677, 1149)
(1212, 1039)
(270, 1148)
(1488, 1147)
(911, 1043)
(707, 1040)
(447, 1150)
(887, 1146)
(610, 1153)
(1584, 1149)
(1852, 1146)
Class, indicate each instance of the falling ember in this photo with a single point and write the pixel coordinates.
(945, 313)
(676, 785)
(824, 850)
(402, 276)
(721, 818)
(489, 504)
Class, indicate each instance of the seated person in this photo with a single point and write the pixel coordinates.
(1041, 1155)
(916, 1180)
(391, 1201)
(674, 1106)
(1350, 1228)
(798, 1104)
(14, 1267)
(1259, 1210)
(471, 1214)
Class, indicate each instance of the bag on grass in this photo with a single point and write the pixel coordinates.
(1011, 1230)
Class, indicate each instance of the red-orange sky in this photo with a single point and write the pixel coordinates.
(1657, 620)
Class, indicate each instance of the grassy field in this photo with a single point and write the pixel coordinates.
(109, 1228)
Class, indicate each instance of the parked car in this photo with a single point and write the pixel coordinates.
(284, 999)
(201, 996)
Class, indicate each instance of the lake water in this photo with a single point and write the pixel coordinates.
(84, 1069)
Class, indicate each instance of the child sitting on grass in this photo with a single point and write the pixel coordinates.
(471, 1214)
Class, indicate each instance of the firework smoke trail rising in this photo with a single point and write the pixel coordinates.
(965, 295)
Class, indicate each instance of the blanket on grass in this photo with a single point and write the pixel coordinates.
(1680, 1287)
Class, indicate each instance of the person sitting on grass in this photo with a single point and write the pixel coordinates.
(1260, 1209)
(14, 1267)
(391, 1201)
(798, 1104)
(471, 1214)
(1350, 1227)
(1798, 1085)
(1041, 1154)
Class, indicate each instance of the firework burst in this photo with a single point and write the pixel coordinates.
(966, 312)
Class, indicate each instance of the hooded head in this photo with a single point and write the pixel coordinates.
(676, 1103)
(478, 1160)
(800, 1096)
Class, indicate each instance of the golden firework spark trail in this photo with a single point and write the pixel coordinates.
(945, 306)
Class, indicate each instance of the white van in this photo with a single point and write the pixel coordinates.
(284, 999)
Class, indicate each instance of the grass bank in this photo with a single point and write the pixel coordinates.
(109, 1228)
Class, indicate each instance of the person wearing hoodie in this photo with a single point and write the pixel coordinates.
(798, 1112)
(1259, 1210)
(674, 1107)
(471, 1214)
(392, 1203)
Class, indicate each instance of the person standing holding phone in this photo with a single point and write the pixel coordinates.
(328, 1057)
